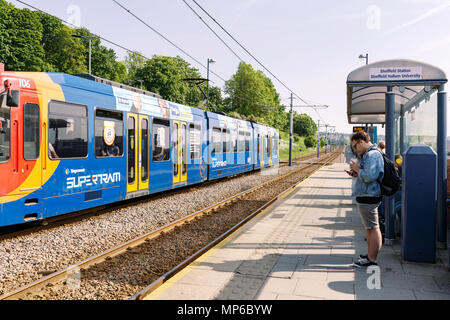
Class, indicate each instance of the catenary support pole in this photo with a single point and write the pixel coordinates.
(318, 141)
(291, 130)
(389, 213)
(442, 168)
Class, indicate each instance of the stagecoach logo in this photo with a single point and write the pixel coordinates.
(92, 180)
(75, 171)
(109, 134)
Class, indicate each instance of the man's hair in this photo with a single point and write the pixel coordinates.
(360, 136)
(381, 145)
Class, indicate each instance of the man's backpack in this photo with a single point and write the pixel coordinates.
(391, 180)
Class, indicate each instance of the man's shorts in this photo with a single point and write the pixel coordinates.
(369, 214)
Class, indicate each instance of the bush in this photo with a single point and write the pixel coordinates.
(310, 141)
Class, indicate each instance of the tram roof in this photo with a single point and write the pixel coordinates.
(411, 81)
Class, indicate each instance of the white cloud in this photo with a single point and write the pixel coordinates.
(424, 16)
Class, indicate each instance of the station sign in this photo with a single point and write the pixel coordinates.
(396, 74)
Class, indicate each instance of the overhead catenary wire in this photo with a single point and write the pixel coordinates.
(165, 38)
(101, 37)
(215, 33)
(71, 24)
(249, 53)
(138, 53)
(96, 35)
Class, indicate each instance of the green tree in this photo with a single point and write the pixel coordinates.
(62, 52)
(303, 125)
(165, 76)
(103, 60)
(20, 39)
(281, 118)
(216, 100)
(252, 93)
(134, 61)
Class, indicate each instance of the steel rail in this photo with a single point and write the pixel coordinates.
(164, 278)
(105, 255)
(73, 217)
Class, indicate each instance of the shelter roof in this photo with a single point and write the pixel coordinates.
(367, 86)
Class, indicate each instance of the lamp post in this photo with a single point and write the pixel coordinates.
(366, 56)
(90, 38)
(207, 81)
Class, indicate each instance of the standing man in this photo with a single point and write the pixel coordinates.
(368, 193)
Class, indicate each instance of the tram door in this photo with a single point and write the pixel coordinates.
(20, 148)
(261, 149)
(137, 152)
(269, 145)
(179, 151)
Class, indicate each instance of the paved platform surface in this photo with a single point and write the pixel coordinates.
(303, 248)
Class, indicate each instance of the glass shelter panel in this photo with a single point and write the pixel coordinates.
(421, 123)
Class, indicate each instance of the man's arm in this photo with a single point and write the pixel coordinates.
(372, 167)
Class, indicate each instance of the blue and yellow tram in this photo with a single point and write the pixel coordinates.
(69, 143)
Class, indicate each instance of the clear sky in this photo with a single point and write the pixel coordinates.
(310, 45)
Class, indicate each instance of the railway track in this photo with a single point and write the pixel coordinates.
(125, 269)
(53, 222)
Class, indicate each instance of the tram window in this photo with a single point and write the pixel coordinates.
(195, 141)
(275, 143)
(266, 147)
(247, 142)
(257, 144)
(226, 140)
(234, 140)
(269, 151)
(108, 133)
(30, 131)
(241, 142)
(67, 130)
(217, 141)
(161, 140)
(5, 134)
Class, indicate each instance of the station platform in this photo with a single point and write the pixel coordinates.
(303, 247)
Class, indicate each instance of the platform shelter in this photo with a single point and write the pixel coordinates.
(408, 98)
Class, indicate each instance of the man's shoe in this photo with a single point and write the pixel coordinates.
(363, 263)
(363, 256)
